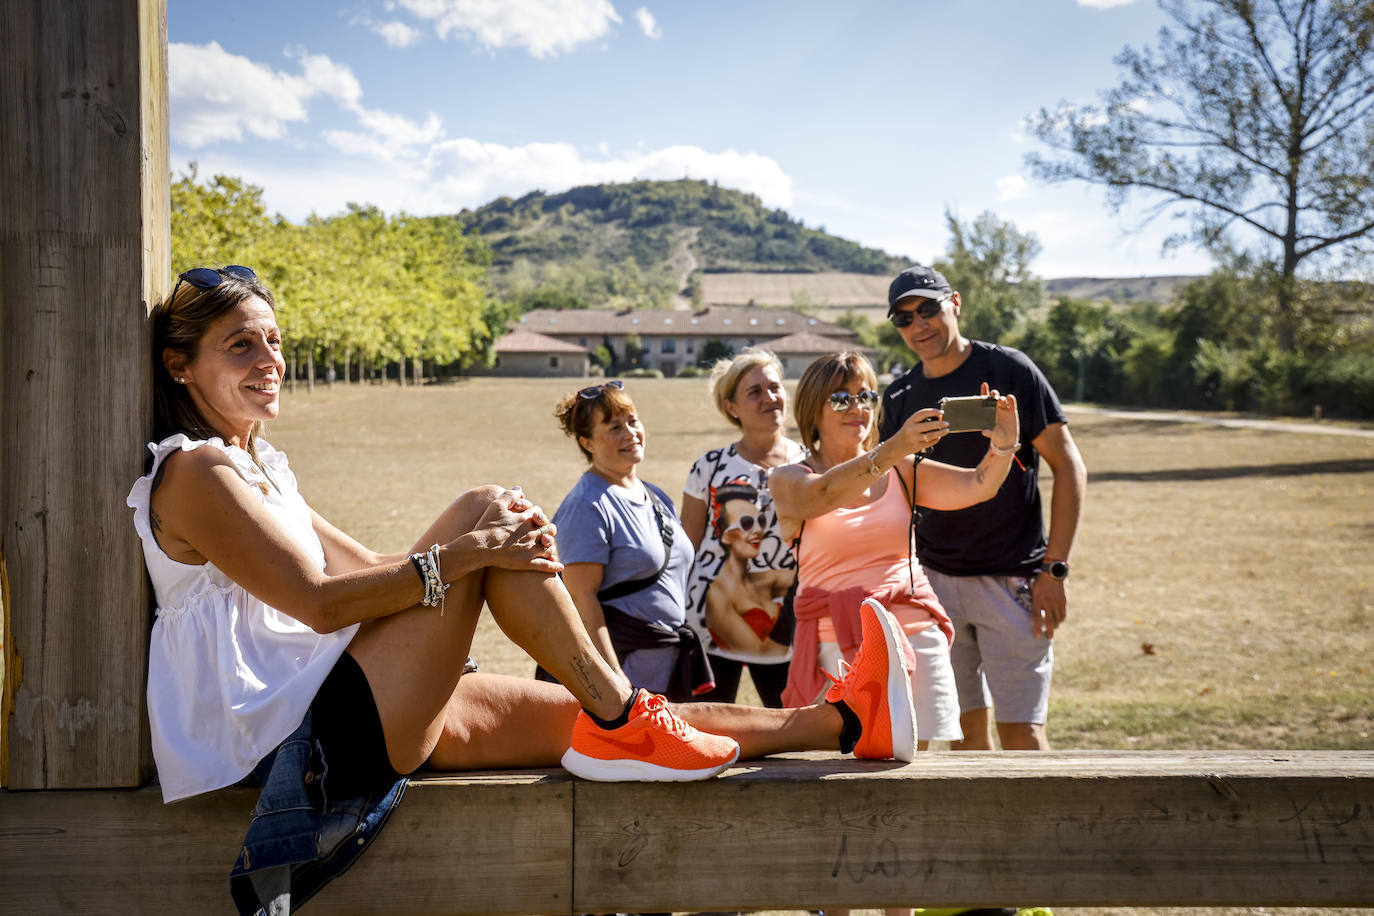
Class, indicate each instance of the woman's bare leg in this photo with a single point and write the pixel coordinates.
(494, 721)
(413, 659)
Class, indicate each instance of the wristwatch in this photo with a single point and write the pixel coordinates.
(1057, 570)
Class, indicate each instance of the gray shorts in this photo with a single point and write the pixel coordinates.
(997, 660)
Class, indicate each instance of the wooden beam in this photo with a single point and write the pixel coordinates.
(84, 249)
(797, 832)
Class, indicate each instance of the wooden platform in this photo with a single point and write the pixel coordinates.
(806, 831)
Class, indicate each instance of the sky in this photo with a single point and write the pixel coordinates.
(869, 120)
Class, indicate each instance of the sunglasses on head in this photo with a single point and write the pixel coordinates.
(594, 391)
(746, 523)
(840, 401)
(926, 308)
(204, 278)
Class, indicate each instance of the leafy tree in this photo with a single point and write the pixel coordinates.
(1252, 114)
(988, 262)
(633, 357)
(222, 221)
(712, 350)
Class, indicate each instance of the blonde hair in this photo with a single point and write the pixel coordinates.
(577, 414)
(822, 378)
(727, 373)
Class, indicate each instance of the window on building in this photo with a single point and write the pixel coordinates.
(668, 345)
(553, 362)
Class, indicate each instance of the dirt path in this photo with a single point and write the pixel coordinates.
(1279, 426)
(686, 264)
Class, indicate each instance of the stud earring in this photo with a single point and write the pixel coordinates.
(181, 381)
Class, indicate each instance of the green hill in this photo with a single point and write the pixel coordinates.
(645, 242)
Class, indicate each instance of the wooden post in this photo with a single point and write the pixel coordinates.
(84, 250)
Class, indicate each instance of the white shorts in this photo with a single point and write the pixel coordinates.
(932, 684)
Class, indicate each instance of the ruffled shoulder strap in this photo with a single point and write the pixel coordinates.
(140, 496)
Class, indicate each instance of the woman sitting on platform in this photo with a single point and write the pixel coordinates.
(285, 650)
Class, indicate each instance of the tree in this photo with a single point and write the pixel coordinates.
(1251, 114)
(989, 264)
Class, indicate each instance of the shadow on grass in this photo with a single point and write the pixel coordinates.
(1289, 469)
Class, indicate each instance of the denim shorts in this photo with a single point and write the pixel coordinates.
(326, 795)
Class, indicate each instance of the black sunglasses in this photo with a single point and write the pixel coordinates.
(594, 391)
(840, 401)
(203, 278)
(927, 309)
(746, 523)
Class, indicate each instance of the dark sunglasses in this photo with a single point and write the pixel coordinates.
(594, 391)
(203, 278)
(927, 309)
(840, 401)
(746, 523)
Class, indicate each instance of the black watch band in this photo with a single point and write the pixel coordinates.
(1057, 570)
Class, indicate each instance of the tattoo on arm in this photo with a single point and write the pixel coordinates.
(156, 520)
(980, 474)
(580, 664)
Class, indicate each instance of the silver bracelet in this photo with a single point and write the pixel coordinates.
(427, 564)
(873, 469)
(1003, 452)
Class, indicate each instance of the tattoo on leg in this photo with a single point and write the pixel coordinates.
(581, 664)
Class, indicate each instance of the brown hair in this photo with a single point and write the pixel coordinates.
(822, 378)
(577, 414)
(727, 373)
(179, 322)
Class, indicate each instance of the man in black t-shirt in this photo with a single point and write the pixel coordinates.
(997, 573)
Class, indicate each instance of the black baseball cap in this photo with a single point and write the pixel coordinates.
(926, 282)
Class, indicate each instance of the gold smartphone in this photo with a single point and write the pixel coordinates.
(965, 415)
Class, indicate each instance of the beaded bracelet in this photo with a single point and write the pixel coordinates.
(1003, 452)
(427, 565)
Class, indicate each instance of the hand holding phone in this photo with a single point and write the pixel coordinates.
(970, 414)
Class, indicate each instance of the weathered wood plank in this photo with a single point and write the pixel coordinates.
(808, 831)
(986, 830)
(84, 247)
(478, 845)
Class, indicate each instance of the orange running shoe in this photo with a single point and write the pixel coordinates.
(877, 687)
(654, 746)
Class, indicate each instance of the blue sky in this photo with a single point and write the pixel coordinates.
(869, 119)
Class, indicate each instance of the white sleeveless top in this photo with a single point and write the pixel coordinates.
(228, 676)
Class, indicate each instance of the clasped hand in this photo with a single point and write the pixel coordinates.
(519, 534)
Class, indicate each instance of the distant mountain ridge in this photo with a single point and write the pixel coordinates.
(1118, 289)
(648, 221)
(690, 243)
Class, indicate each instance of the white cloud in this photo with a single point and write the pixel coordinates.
(215, 95)
(542, 27)
(396, 33)
(457, 173)
(647, 24)
(1010, 187)
(1104, 4)
(467, 172)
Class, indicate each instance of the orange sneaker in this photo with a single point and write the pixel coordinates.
(654, 746)
(877, 687)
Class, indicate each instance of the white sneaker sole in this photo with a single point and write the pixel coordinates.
(628, 770)
(901, 705)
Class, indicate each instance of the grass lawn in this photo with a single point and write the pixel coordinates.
(1223, 583)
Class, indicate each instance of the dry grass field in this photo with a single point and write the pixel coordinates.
(1223, 585)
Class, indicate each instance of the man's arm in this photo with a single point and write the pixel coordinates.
(1055, 444)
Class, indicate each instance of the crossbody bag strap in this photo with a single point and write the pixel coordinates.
(630, 586)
